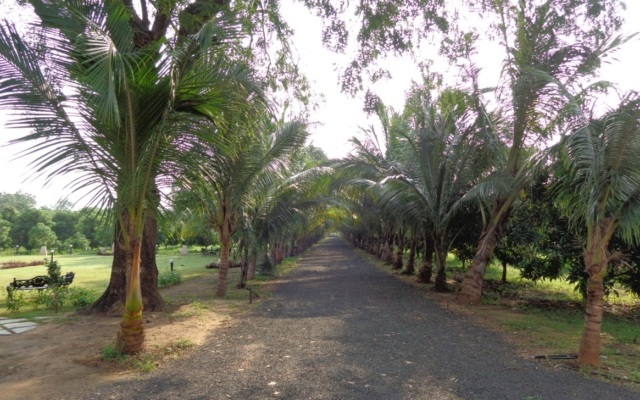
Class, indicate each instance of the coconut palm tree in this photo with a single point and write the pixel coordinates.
(562, 39)
(370, 161)
(120, 115)
(448, 151)
(247, 153)
(290, 209)
(598, 172)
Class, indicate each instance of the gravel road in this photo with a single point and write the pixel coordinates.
(338, 328)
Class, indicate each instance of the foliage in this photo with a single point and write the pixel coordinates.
(41, 235)
(111, 353)
(77, 241)
(18, 201)
(597, 186)
(56, 292)
(64, 224)
(96, 226)
(81, 297)
(169, 278)
(5, 231)
(539, 241)
(27, 220)
(385, 27)
(15, 299)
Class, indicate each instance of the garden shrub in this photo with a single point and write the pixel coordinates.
(169, 278)
(15, 300)
(81, 297)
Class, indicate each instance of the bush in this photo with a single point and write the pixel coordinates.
(81, 297)
(169, 278)
(15, 300)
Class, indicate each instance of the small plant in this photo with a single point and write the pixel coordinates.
(111, 353)
(183, 344)
(54, 272)
(81, 297)
(144, 364)
(15, 300)
(57, 289)
(198, 305)
(169, 278)
(194, 309)
(41, 299)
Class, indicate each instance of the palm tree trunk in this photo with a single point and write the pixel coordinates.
(112, 301)
(589, 353)
(426, 270)
(223, 271)
(253, 261)
(130, 339)
(595, 260)
(410, 268)
(441, 276)
(387, 256)
(471, 288)
(398, 262)
(151, 298)
(279, 252)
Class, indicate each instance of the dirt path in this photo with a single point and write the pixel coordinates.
(338, 328)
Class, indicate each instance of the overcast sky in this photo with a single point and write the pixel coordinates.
(339, 117)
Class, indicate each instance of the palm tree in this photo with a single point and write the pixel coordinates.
(122, 118)
(448, 151)
(245, 155)
(290, 209)
(598, 168)
(542, 39)
(364, 167)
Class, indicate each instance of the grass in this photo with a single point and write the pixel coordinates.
(195, 309)
(92, 274)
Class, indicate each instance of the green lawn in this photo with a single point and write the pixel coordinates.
(93, 271)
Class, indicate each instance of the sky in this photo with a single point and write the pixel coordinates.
(338, 117)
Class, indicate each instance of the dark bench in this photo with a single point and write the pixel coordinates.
(38, 283)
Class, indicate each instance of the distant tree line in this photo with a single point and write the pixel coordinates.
(23, 226)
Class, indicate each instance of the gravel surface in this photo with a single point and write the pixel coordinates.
(338, 328)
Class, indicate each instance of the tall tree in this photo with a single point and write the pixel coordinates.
(599, 186)
(42, 235)
(24, 222)
(246, 153)
(153, 25)
(545, 41)
(383, 27)
(125, 123)
(449, 148)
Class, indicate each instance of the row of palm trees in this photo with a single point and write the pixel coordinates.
(450, 154)
(137, 114)
(443, 161)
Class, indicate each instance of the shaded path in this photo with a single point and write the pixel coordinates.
(338, 328)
